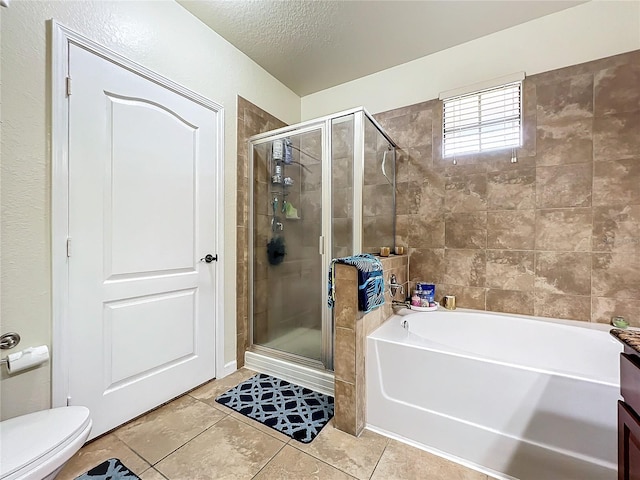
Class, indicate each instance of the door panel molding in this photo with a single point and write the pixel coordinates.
(61, 39)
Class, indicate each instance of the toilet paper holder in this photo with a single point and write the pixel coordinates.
(26, 359)
(9, 340)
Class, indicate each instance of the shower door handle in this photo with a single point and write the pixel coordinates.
(321, 245)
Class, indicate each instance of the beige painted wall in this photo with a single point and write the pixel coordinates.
(160, 35)
(587, 32)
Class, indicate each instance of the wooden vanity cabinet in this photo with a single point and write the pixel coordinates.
(628, 418)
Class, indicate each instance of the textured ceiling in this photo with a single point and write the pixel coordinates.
(310, 45)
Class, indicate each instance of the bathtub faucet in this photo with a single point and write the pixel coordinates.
(397, 305)
(394, 285)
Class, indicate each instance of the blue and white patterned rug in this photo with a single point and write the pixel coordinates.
(111, 469)
(291, 409)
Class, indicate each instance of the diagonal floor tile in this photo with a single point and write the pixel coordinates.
(209, 391)
(97, 452)
(291, 463)
(229, 449)
(260, 426)
(157, 434)
(356, 456)
(404, 462)
(151, 474)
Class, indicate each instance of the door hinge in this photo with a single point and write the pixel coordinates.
(68, 246)
(68, 82)
(321, 245)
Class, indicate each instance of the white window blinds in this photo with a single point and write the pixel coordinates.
(484, 120)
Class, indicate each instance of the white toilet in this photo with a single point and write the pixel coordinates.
(36, 446)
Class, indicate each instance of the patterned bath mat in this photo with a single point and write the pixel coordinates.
(291, 409)
(111, 469)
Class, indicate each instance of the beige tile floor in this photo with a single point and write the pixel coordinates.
(194, 438)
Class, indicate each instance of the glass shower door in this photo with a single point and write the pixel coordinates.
(287, 270)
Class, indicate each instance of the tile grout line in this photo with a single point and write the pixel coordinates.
(380, 458)
(190, 440)
(270, 460)
(135, 452)
(321, 460)
(157, 471)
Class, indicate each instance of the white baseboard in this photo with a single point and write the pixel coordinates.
(316, 380)
(228, 369)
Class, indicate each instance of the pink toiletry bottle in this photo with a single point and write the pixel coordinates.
(415, 299)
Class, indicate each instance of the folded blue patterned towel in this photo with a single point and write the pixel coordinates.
(370, 280)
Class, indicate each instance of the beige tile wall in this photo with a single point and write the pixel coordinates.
(351, 330)
(558, 233)
(251, 121)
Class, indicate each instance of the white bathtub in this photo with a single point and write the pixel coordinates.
(512, 396)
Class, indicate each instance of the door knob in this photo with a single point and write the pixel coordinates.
(209, 258)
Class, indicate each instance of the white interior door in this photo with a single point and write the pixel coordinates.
(142, 203)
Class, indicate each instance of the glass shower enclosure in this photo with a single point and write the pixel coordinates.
(320, 189)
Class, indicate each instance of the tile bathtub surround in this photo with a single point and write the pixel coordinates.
(351, 330)
(349, 352)
(558, 233)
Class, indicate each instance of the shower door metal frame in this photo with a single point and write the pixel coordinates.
(324, 242)
(358, 181)
(324, 124)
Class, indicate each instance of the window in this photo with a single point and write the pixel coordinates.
(488, 119)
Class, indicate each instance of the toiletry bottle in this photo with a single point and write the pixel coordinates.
(288, 152)
(277, 177)
(276, 150)
(416, 301)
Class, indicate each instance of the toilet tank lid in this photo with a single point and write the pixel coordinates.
(27, 438)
